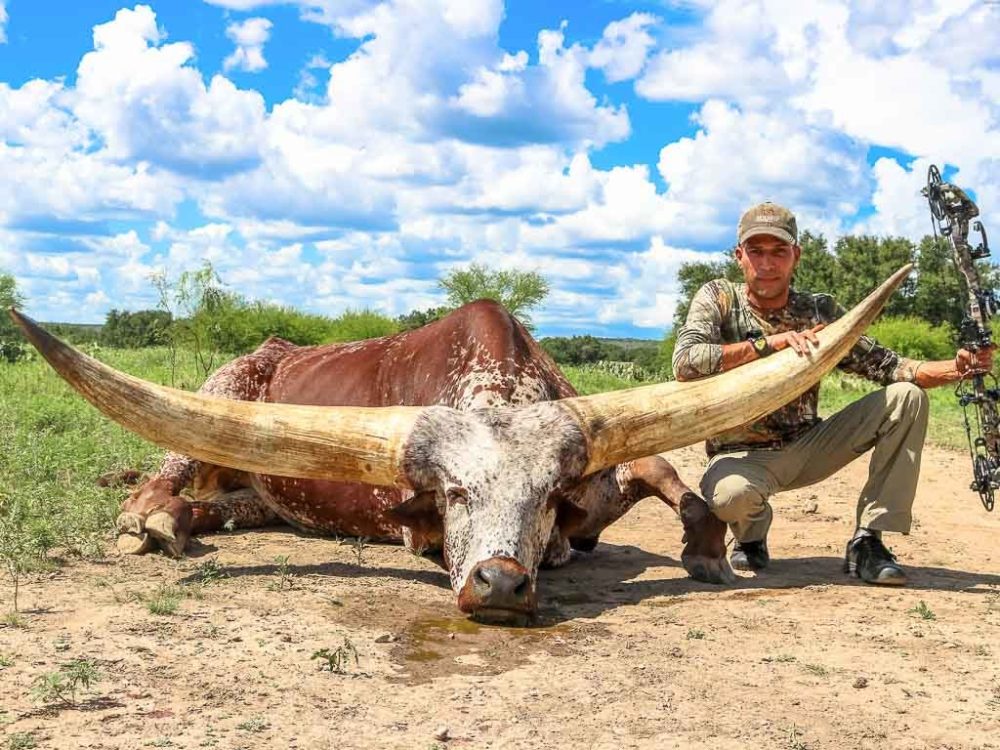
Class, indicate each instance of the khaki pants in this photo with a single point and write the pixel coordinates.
(893, 421)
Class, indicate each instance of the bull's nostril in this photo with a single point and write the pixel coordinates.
(482, 578)
(522, 588)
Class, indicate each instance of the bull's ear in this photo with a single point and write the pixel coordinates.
(569, 516)
(419, 512)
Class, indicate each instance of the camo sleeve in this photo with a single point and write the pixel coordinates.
(869, 359)
(698, 351)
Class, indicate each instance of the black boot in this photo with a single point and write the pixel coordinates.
(869, 560)
(750, 555)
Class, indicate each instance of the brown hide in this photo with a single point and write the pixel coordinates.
(436, 364)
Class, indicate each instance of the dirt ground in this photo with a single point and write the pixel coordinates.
(630, 653)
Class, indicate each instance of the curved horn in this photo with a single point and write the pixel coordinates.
(345, 443)
(629, 424)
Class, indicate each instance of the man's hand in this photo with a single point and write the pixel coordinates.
(971, 363)
(797, 340)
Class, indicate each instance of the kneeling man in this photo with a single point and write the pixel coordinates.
(730, 324)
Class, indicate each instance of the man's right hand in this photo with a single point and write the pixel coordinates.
(797, 340)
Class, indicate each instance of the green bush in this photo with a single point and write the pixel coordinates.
(355, 325)
(914, 337)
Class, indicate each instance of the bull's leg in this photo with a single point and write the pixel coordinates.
(704, 553)
(155, 514)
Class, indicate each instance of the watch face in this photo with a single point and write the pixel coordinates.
(760, 344)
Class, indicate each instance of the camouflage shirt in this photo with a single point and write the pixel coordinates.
(720, 314)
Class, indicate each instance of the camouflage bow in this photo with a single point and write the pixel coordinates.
(952, 211)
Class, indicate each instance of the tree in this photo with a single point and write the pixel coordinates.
(577, 350)
(135, 330)
(693, 276)
(9, 297)
(863, 262)
(518, 291)
(419, 318)
(817, 268)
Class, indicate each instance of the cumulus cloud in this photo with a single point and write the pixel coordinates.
(250, 36)
(624, 46)
(431, 145)
(832, 79)
(146, 103)
(3, 22)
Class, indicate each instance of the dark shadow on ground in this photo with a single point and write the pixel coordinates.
(198, 548)
(602, 580)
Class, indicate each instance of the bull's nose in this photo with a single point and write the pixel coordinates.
(501, 584)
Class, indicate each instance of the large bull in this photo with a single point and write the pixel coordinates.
(463, 433)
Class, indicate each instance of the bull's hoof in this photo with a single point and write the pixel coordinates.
(164, 529)
(708, 569)
(134, 544)
(129, 523)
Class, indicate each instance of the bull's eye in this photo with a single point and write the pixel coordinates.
(456, 496)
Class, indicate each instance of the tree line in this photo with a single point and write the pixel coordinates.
(198, 313)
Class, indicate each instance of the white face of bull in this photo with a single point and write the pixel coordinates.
(494, 478)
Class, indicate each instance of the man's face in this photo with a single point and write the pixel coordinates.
(768, 264)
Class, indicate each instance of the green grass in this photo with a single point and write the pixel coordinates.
(946, 427)
(56, 446)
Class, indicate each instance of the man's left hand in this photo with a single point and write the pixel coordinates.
(970, 363)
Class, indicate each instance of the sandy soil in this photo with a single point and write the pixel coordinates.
(631, 652)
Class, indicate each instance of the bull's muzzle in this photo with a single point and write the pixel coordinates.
(498, 589)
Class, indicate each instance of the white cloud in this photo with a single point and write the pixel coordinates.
(646, 287)
(3, 22)
(250, 36)
(432, 146)
(146, 103)
(621, 53)
(738, 158)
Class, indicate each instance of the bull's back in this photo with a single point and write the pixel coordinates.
(477, 357)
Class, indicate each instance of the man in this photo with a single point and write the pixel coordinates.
(731, 324)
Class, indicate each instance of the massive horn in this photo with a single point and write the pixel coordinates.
(348, 443)
(625, 425)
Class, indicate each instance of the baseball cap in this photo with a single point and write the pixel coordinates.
(768, 218)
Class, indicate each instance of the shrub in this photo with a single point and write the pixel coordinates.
(355, 325)
(914, 337)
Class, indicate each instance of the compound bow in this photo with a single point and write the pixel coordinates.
(952, 211)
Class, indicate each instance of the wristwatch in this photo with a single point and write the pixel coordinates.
(759, 343)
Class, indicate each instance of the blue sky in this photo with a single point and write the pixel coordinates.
(335, 154)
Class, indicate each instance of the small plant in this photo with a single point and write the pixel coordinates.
(923, 611)
(254, 724)
(792, 741)
(63, 684)
(19, 547)
(6, 660)
(360, 544)
(284, 576)
(782, 658)
(695, 634)
(817, 669)
(120, 596)
(337, 660)
(160, 742)
(210, 572)
(981, 650)
(14, 619)
(164, 601)
(21, 741)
